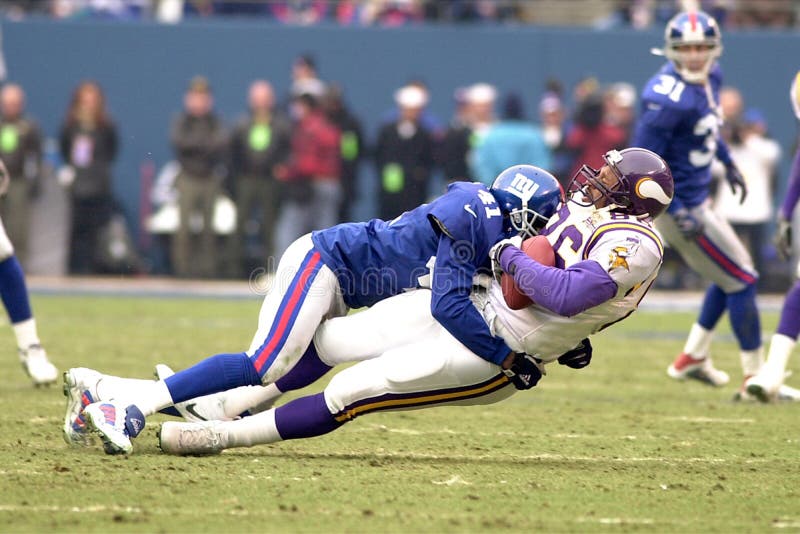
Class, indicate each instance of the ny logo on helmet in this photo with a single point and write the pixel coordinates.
(523, 187)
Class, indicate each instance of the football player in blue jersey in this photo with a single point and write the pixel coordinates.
(680, 120)
(14, 294)
(325, 273)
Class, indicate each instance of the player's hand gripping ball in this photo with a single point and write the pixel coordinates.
(537, 248)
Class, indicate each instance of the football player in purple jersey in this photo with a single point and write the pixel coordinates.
(768, 385)
(680, 120)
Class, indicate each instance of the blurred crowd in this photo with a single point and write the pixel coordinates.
(239, 191)
(639, 14)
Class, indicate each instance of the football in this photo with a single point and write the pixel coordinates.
(538, 248)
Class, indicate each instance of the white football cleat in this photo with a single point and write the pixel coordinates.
(34, 361)
(115, 424)
(767, 386)
(764, 386)
(80, 388)
(686, 367)
(206, 408)
(192, 439)
(788, 394)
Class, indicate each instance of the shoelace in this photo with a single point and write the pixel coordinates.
(203, 438)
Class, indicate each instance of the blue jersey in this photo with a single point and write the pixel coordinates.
(678, 122)
(378, 259)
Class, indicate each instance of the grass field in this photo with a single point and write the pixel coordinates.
(615, 447)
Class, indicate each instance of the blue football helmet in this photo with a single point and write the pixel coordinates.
(687, 29)
(528, 196)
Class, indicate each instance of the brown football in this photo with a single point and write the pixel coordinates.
(538, 248)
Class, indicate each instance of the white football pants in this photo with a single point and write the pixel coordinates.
(304, 293)
(6, 248)
(411, 361)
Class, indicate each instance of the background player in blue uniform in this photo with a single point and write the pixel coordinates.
(14, 294)
(323, 274)
(680, 121)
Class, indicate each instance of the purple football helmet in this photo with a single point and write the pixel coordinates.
(644, 185)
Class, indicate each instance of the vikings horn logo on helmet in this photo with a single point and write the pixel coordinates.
(646, 187)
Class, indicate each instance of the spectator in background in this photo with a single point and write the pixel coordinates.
(461, 11)
(310, 180)
(352, 147)
(757, 157)
(481, 98)
(260, 142)
(299, 12)
(198, 139)
(21, 151)
(88, 143)
(731, 104)
(396, 12)
(454, 152)
(551, 117)
(427, 119)
(305, 79)
(592, 133)
(404, 155)
(619, 108)
(510, 142)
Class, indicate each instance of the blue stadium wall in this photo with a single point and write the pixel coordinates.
(144, 68)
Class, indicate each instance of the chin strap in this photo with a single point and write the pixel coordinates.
(712, 103)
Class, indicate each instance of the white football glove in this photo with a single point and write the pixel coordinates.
(497, 249)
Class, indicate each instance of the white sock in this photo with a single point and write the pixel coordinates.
(698, 344)
(752, 360)
(780, 349)
(114, 387)
(249, 398)
(149, 396)
(26, 334)
(254, 430)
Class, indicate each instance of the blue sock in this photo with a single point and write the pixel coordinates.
(744, 318)
(713, 307)
(217, 373)
(13, 291)
(306, 371)
(790, 314)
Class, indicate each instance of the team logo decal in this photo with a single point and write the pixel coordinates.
(523, 187)
(619, 256)
(646, 187)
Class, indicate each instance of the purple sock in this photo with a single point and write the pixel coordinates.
(306, 371)
(713, 307)
(743, 314)
(305, 417)
(789, 324)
